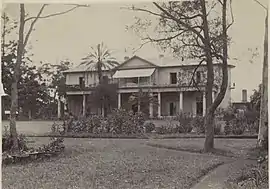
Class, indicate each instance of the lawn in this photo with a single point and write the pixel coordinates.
(31, 127)
(111, 163)
(230, 147)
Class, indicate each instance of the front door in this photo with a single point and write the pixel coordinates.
(172, 109)
(199, 105)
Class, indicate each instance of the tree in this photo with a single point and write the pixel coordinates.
(255, 99)
(263, 124)
(56, 77)
(185, 27)
(104, 95)
(97, 60)
(32, 92)
(142, 98)
(23, 37)
(56, 81)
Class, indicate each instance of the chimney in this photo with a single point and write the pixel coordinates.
(182, 58)
(244, 95)
(161, 56)
(126, 58)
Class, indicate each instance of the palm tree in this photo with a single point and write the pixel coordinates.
(99, 59)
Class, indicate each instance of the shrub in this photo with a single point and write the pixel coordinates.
(217, 128)
(228, 114)
(197, 124)
(184, 125)
(123, 121)
(227, 128)
(55, 145)
(120, 121)
(149, 127)
(238, 125)
(7, 141)
(163, 130)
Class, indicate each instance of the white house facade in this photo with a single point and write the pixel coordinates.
(168, 80)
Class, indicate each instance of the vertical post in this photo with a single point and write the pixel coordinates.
(213, 96)
(180, 101)
(58, 108)
(204, 104)
(151, 105)
(84, 102)
(139, 105)
(159, 104)
(119, 100)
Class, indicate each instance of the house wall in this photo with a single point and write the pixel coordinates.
(90, 77)
(189, 102)
(75, 104)
(166, 99)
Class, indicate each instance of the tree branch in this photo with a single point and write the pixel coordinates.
(261, 5)
(58, 13)
(229, 25)
(165, 39)
(32, 25)
(47, 16)
(211, 8)
(193, 74)
(141, 46)
(179, 21)
(147, 11)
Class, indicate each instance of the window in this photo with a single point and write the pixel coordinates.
(173, 78)
(81, 82)
(199, 105)
(105, 79)
(198, 77)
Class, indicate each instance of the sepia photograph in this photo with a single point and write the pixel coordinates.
(134, 94)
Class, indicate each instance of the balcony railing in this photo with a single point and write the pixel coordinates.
(85, 88)
(129, 85)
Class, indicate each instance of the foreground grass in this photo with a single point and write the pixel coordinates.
(227, 147)
(108, 163)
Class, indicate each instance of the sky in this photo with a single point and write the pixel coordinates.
(70, 36)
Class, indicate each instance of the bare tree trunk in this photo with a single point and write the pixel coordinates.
(29, 114)
(263, 125)
(14, 86)
(58, 108)
(211, 107)
(209, 117)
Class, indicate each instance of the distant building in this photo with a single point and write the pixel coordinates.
(244, 104)
(167, 79)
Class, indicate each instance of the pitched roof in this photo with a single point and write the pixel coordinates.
(159, 62)
(87, 68)
(175, 62)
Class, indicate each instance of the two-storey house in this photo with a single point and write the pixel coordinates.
(169, 80)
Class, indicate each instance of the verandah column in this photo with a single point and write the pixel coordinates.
(204, 104)
(180, 101)
(151, 105)
(213, 96)
(84, 102)
(159, 104)
(119, 100)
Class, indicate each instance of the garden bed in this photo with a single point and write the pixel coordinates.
(139, 136)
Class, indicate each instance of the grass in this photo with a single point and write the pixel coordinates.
(110, 163)
(225, 147)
